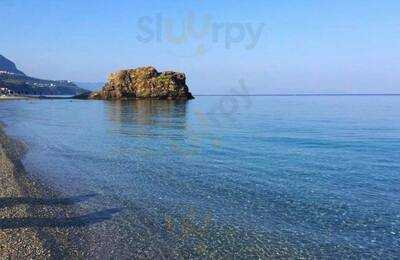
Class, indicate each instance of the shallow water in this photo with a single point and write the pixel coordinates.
(310, 176)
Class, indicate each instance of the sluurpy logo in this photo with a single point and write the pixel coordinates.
(200, 33)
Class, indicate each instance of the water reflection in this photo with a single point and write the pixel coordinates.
(145, 122)
(162, 113)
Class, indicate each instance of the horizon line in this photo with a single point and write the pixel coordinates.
(309, 94)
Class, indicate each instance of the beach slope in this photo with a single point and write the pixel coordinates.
(23, 233)
(24, 242)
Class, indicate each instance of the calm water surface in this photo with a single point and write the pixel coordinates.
(224, 176)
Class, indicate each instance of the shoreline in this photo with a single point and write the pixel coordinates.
(12, 98)
(25, 208)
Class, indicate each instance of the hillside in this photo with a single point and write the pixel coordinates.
(15, 81)
(7, 66)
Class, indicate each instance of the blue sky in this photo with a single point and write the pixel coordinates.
(304, 46)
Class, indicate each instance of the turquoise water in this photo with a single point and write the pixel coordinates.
(310, 176)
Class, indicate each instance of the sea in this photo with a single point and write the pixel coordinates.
(243, 177)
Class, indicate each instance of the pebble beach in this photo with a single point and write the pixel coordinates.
(25, 230)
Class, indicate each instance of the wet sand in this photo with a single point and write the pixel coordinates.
(31, 216)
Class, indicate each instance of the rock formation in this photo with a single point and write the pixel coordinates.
(144, 83)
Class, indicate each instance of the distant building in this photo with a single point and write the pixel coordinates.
(6, 72)
(5, 91)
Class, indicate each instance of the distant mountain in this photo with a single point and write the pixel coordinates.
(17, 82)
(8, 66)
(90, 85)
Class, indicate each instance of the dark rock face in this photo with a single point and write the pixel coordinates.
(144, 83)
(8, 66)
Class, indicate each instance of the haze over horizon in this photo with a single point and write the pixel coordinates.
(275, 47)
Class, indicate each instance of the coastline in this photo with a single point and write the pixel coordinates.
(24, 211)
(12, 98)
